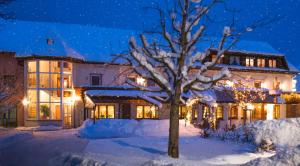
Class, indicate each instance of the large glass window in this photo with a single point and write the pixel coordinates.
(146, 111)
(44, 90)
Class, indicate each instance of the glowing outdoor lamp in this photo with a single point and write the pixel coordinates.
(25, 101)
(141, 81)
(229, 83)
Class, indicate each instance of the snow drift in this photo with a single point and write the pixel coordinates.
(116, 128)
(288, 157)
(282, 133)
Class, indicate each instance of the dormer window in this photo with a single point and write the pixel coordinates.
(249, 62)
(49, 41)
(272, 63)
(260, 62)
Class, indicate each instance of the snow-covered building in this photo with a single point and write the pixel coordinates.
(69, 73)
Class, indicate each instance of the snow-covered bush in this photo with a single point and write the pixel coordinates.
(285, 132)
(69, 159)
(287, 157)
(116, 128)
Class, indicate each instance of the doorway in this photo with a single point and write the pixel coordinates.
(125, 111)
(68, 115)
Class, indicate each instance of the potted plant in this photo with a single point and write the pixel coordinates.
(45, 111)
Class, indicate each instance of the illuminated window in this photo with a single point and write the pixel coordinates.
(31, 113)
(195, 114)
(32, 96)
(272, 63)
(32, 66)
(54, 81)
(219, 112)
(67, 81)
(205, 114)
(96, 79)
(105, 111)
(257, 113)
(249, 62)
(182, 112)
(233, 114)
(54, 67)
(44, 66)
(147, 112)
(260, 62)
(276, 112)
(257, 84)
(32, 80)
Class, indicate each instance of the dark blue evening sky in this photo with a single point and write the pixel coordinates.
(283, 35)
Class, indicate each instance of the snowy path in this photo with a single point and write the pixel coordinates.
(37, 148)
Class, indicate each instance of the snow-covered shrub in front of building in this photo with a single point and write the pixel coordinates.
(118, 128)
(286, 157)
(281, 133)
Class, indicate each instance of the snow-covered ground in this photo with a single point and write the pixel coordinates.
(133, 143)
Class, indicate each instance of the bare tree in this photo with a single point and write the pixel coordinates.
(174, 61)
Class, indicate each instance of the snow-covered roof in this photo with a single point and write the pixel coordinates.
(124, 93)
(291, 68)
(89, 43)
(147, 96)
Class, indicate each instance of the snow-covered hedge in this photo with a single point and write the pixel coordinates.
(115, 128)
(285, 132)
(287, 157)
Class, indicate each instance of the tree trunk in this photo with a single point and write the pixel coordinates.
(174, 125)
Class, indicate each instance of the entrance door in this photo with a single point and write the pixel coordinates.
(125, 111)
(67, 115)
